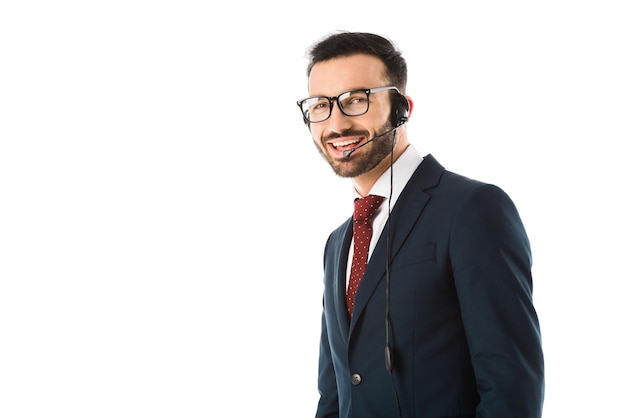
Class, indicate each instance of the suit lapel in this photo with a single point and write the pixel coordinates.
(404, 215)
(339, 284)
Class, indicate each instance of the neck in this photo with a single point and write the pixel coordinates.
(364, 183)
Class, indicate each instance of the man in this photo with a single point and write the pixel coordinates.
(441, 323)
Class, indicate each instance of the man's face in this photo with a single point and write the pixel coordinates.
(340, 132)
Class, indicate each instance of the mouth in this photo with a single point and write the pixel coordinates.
(341, 145)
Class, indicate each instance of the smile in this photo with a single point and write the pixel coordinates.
(340, 145)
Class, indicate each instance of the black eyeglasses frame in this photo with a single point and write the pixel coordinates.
(336, 99)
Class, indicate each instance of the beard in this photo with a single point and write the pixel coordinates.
(361, 162)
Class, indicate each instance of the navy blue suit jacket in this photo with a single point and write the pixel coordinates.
(464, 332)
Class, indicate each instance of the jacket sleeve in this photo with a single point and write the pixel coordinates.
(328, 405)
(491, 260)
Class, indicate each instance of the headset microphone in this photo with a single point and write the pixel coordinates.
(349, 152)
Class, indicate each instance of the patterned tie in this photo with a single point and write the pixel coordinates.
(363, 210)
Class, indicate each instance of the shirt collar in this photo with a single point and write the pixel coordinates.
(403, 169)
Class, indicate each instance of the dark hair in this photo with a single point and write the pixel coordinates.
(344, 44)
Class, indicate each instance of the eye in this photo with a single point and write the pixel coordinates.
(319, 105)
(355, 102)
(319, 108)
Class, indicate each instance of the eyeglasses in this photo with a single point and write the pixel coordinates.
(351, 103)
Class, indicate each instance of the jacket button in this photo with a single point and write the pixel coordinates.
(356, 379)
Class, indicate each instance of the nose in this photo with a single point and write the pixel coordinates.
(337, 122)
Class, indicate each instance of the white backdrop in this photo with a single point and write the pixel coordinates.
(160, 234)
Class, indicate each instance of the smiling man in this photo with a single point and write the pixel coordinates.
(428, 307)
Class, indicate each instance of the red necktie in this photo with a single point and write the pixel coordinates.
(363, 210)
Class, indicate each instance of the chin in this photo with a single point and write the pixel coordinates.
(348, 168)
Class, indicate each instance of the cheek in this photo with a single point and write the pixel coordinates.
(316, 136)
(316, 133)
(383, 117)
(374, 120)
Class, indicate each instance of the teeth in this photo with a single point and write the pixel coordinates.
(345, 143)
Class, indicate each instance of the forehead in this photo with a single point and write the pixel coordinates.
(336, 75)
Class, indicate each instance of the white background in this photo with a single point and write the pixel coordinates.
(161, 235)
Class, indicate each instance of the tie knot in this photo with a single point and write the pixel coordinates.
(366, 206)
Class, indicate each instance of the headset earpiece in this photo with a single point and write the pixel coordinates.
(399, 111)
